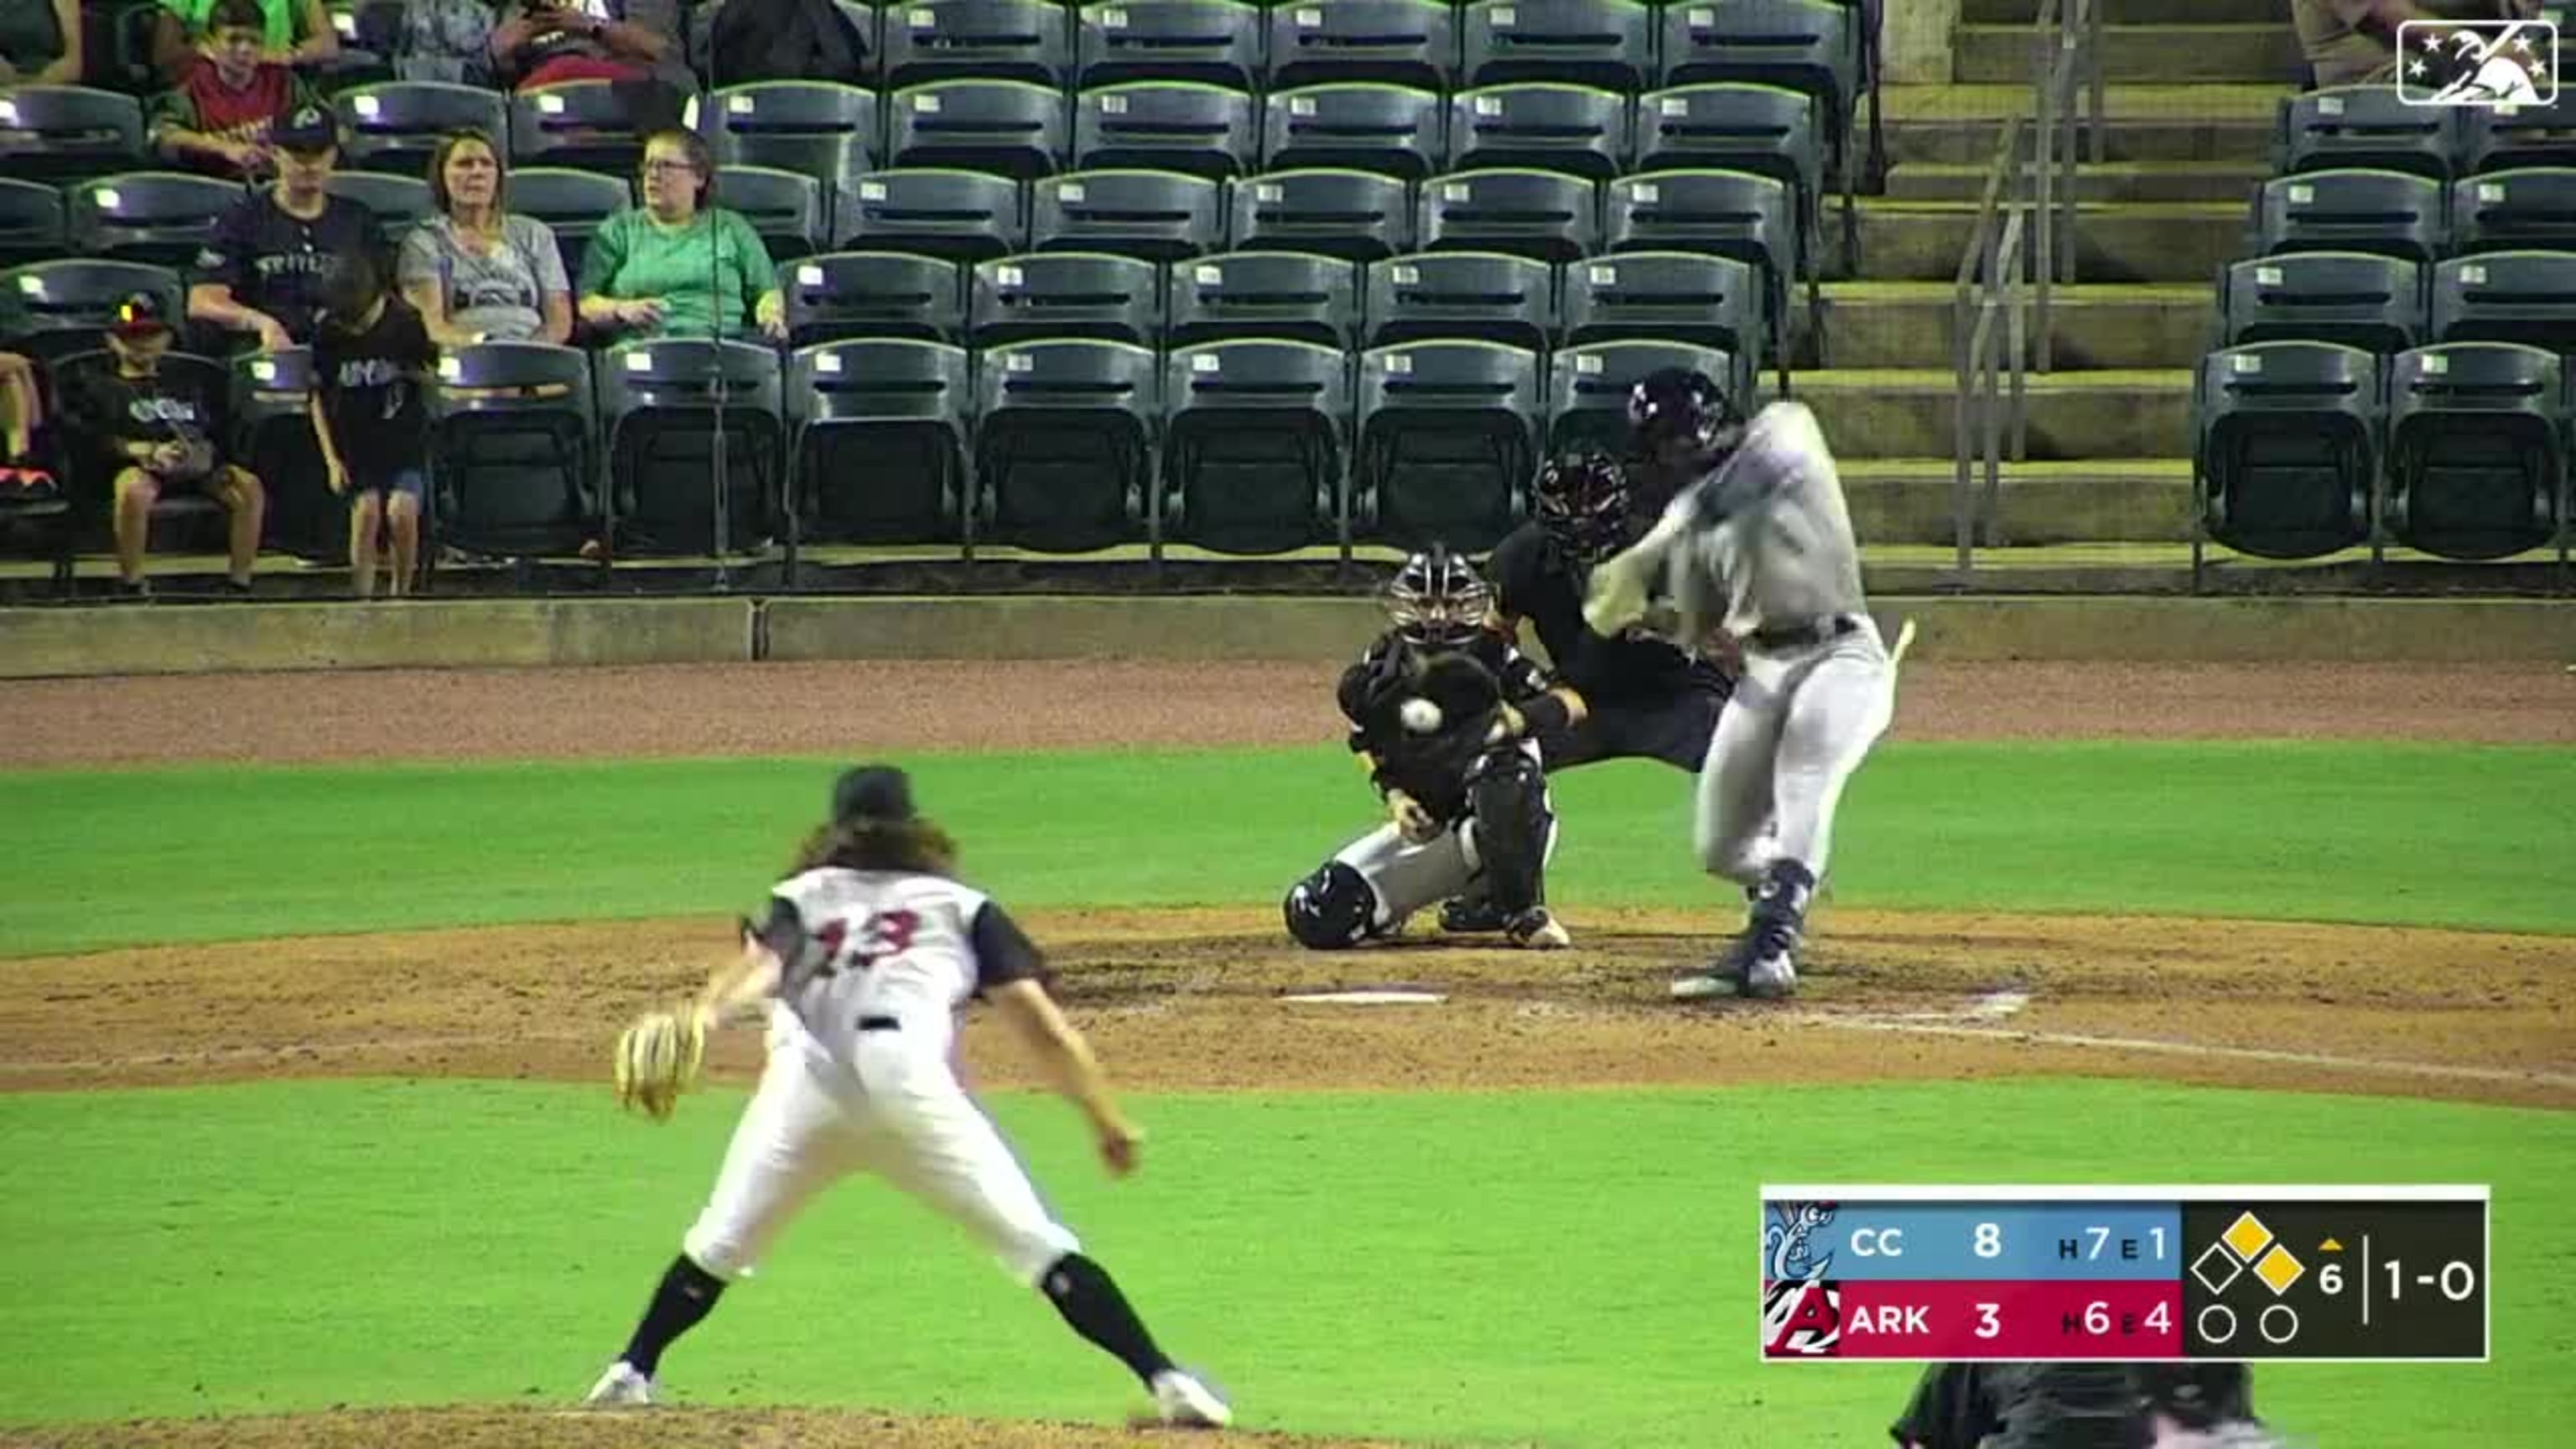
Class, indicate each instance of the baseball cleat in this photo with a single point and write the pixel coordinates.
(1471, 916)
(1184, 1402)
(621, 1388)
(1537, 929)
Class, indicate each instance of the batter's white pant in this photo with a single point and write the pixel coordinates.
(1408, 878)
(1787, 743)
(902, 1116)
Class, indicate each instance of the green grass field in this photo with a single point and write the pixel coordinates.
(1571, 1268)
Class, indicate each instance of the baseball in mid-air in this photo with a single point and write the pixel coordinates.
(1419, 715)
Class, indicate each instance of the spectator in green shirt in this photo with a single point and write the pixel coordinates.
(678, 264)
(293, 32)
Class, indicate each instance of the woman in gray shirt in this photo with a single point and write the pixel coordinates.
(475, 273)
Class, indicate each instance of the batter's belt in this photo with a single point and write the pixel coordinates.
(1785, 638)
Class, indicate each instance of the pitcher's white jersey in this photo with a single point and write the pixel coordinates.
(880, 947)
(1771, 538)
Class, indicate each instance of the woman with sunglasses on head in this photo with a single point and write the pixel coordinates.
(679, 266)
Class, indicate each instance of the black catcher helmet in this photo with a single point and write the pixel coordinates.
(1583, 502)
(1675, 402)
(1438, 600)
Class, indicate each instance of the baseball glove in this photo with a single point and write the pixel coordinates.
(657, 1060)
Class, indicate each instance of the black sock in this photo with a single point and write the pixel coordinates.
(686, 1295)
(1089, 1299)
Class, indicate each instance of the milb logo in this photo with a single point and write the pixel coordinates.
(1801, 1318)
(2478, 64)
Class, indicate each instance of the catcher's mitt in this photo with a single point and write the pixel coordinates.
(657, 1060)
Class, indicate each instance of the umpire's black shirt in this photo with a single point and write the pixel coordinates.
(1536, 580)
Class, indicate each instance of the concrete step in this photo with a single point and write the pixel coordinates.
(1961, 125)
(1922, 241)
(2114, 12)
(1914, 501)
(1908, 412)
(2251, 54)
(1913, 324)
(2111, 181)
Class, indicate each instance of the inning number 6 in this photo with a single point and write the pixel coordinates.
(1990, 1241)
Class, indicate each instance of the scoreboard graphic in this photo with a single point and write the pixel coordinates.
(2361, 1274)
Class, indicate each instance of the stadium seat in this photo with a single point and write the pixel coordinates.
(2526, 297)
(58, 308)
(821, 129)
(1215, 42)
(582, 125)
(571, 203)
(785, 207)
(2531, 209)
(1158, 215)
(2365, 126)
(1353, 215)
(399, 202)
(877, 439)
(1448, 442)
(1403, 42)
(1588, 386)
(1540, 214)
(511, 429)
(1065, 447)
(2477, 449)
(1007, 127)
(2287, 448)
(1287, 296)
(370, 32)
(31, 222)
(1806, 45)
(1360, 125)
(1064, 294)
(656, 404)
(1726, 213)
(1607, 43)
(1690, 297)
(963, 216)
(946, 40)
(2388, 212)
(163, 218)
(63, 135)
(869, 22)
(1766, 130)
(1185, 126)
(1488, 295)
(1578, 130)
(840, 296)
(1256, 446)
(395, 127)
(2357, 299)
(2509, 139)
(272, 435)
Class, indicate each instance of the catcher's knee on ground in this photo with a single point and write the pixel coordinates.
(1513, 828)
(1332, 909)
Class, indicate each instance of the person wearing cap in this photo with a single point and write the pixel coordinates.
(291, 32)
(268, 268)
(859, 966)
(159, 431)
(218, 116)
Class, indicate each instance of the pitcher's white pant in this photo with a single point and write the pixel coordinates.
(1789, 739)
(903, 1117)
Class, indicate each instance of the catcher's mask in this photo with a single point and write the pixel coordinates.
(1438, 600)
(1676, 404)
(1583, 503)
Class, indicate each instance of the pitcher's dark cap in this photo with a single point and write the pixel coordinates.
(873, 792)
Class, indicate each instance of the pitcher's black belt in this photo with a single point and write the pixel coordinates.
(879, 1023)
(1781, 637)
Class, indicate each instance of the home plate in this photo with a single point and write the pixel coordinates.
(1367, 998)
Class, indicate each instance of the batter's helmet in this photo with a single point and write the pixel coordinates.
(1676, 402)
(1583, 502)
(1437, 599)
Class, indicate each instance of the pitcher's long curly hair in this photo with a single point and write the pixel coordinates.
(916, 847)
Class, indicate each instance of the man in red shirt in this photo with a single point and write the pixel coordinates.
(219, 118)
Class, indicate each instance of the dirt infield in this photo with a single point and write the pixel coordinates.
(1198, 999)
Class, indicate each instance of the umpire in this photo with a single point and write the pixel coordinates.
(2082, 1406)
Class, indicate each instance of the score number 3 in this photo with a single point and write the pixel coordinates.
(882, 934)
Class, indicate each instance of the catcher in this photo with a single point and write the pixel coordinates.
(1446, 715)
(868, 951)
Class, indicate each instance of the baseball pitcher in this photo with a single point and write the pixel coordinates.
(1761, 547)
(867, 954)
(1445, 714)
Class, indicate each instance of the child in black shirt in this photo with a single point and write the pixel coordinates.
(370, 353)
(159, 431)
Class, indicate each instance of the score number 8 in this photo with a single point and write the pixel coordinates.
(1989, 1240)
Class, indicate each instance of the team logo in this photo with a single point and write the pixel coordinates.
(2479, 64)
(1802, 1314)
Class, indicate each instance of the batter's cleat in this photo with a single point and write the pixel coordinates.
(1184, 1402)
(622, 1387)
(1537, 929)
(1471, 916)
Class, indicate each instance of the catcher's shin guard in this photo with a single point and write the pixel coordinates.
(1507, 796)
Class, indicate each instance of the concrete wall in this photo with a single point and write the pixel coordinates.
(1915, 41)
(36, 643)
